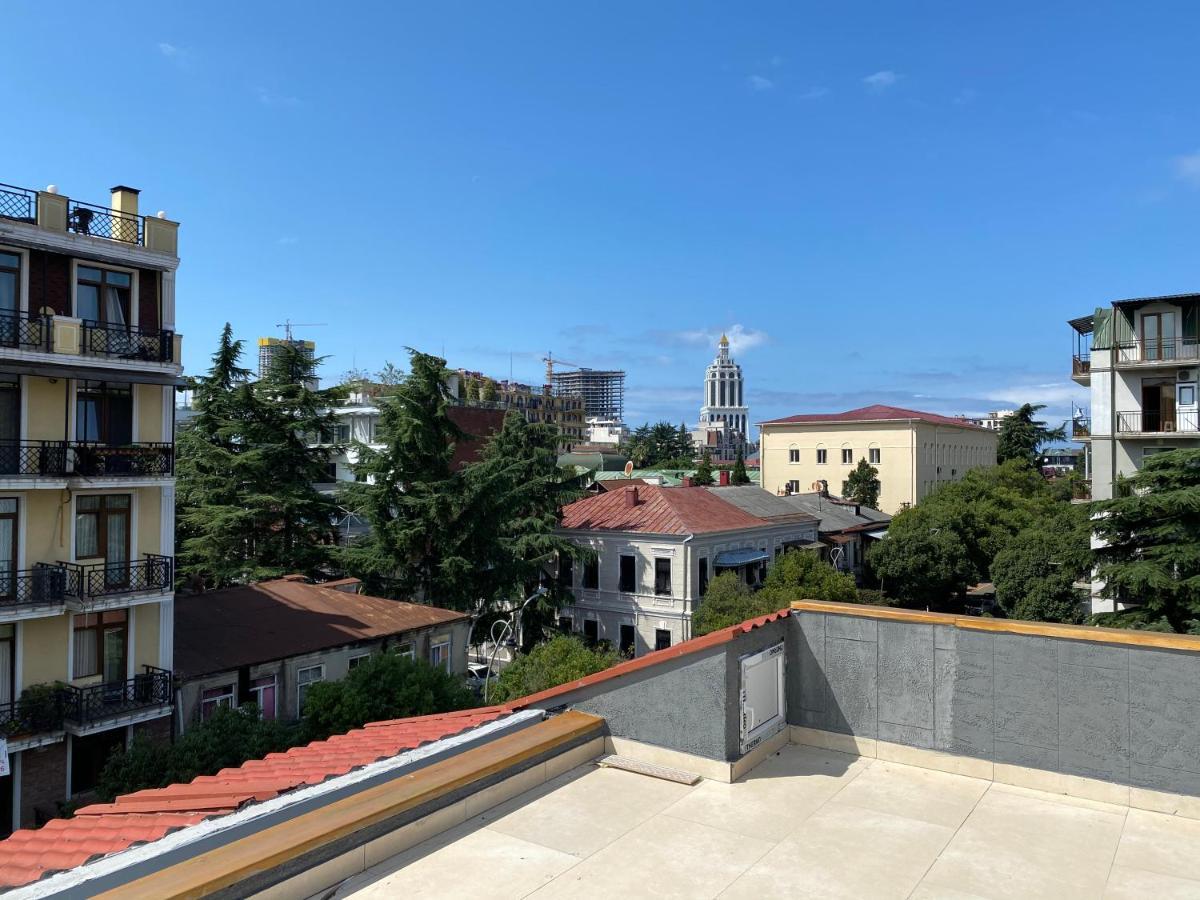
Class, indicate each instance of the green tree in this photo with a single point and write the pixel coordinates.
(561, 659)
(246, 507)
(739, 475)
(662, 445)
(1036, 572)
(862, 486)
(803, 575)
(704, 472)
(728, 601)
(384, 686)
(1021, 435)
(1150, 553)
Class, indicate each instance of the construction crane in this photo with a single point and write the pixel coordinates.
(287, 325)
(549, 360)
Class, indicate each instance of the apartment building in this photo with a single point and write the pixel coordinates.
(566, 412)
(1139, 358)
(655, 549)
(89, 359)
(914, 452)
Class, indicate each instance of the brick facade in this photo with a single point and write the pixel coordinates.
(148, 299)
(49, 282)
(156, 730)
(43, 783)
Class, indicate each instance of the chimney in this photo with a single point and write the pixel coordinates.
(125, 199)
(687, 480)
(723, 477)
(631, 497)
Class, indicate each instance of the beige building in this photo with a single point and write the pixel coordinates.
(913, 451)
(89, 359)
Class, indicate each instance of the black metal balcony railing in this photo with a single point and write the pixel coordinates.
(1081, 363)
(96, 460)
(1168, 350)
(85, 705)
(35, 712)
(40, 585)
(33, 457)
(128, 341)
(91, 582)
(18, 203)
(1153, 421)
(101, 221)
(23, 331)
(1081, 427)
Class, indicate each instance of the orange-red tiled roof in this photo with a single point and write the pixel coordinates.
(659, 510)
(143, 816)
(876, 413)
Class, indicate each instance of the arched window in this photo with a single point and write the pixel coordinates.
(793, 453)
(822, 455)
(873, 454)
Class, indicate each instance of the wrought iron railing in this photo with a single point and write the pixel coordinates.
(33, 457)
(98, 580)
(42, 584)
(18, 203)
(1167, 350)
(96, 460)
(1139, 421)
(127, 341)
(85, 705)
(1081, 427)
(101, 221)
(25, 331)
(36, 711)
(1081, 363)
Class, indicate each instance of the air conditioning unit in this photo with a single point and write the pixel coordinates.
(1186, 375)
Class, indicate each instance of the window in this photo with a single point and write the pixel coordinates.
(263, 691)
(306, 677)
(662, 577)
(100, 641)
(566, 571)
(104, 413)
(439, 654)
(793, 486)
(341, 433)
(847, 456)
(406, 649)
(873, 456)
(102, 295)
(591, 630)
(355, 661)
(702, 581)
(591, 574)
(10, 298)
(330, 472)
(628, 579)
(821, 456)
(102, 532)
(793, 454)
(627, 645)
(8, 562)
(662, 639)
(212, 699)
(565, 624)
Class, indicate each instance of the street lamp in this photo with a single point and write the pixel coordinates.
(509, 625)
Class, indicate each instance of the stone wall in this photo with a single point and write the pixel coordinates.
(1127, 714)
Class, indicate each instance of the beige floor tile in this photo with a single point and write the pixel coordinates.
(846, 851)
(661, 858)
(1137, 884)
(1155, 842)
(776, 797)
(1065, 799)
(1020, 846)
(468, 862)
(935, 797)
(931, 892)
(584, 810)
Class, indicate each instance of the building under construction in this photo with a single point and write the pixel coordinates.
(603, 392)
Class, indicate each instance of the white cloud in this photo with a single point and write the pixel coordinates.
(758, 83)
(287, 241)
(1187, 168)
(269, 98)
(740, 338)
(815, 93)
(1054, 395)
(167, 50)
(881, 80)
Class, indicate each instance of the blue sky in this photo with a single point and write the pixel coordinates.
(897, 203)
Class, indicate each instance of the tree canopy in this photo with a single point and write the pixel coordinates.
(739, 475)
(862, 485)
(561, 659)
(1150, 553)
(727, 601)
(703, 475)
(1021, 435)
(1036, 572)
(661, 445)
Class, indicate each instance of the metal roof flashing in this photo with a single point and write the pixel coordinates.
(121, 868)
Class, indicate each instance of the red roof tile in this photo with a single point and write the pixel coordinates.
(659, 510)
(875, 413)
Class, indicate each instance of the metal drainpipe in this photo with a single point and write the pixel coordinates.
(687, 576)
(1112, 418)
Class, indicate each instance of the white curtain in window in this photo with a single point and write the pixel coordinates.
(6, 649)
(87, 662)
(113, 313)
(116, 551)
(114, 653)
(6, 546)
(86, 537)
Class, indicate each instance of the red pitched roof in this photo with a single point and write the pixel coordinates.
(659, 510)
(875, 413)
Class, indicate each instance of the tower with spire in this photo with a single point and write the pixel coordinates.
(724, 416)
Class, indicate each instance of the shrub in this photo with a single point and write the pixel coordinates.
(559, 660)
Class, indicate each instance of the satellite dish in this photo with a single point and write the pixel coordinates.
(629, 468)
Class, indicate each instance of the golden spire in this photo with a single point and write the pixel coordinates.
(724, 340)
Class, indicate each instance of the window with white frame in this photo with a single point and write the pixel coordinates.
(793, 486)
(439, 653)
(263, 691)
(357, 660)
(793, 454)
(212, 699)
(847, 456)
(822, 455)
(873, 455)
(305, 678)
(406, 649)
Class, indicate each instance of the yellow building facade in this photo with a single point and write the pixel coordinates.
(89, 360)
(913, 452)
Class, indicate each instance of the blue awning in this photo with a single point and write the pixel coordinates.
(728, 559)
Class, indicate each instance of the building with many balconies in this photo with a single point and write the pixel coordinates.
(89, 359)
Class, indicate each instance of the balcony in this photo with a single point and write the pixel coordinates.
(1154, 422)
(1178, 351)
(1081, 428)
(86, 459)
(103, 222)
(26, 589)
(127, 342)
(24, 331)
(18, 203)
(1081, 364)
(97, 704)
(91, 584)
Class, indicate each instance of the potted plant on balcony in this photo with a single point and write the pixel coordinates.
(38, 709)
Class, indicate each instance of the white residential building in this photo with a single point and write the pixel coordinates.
(655, 550)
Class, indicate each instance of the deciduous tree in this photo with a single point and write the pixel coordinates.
(561, 659)
(862, 485)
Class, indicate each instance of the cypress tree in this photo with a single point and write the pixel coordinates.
(739, 475)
